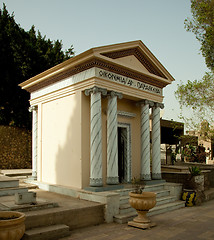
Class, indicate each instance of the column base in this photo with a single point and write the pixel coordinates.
(145, 177)
(156, 176)
(34, 176)
(96, 182)
(104, 188)
(112, 180)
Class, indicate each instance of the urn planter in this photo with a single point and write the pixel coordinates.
(142, 203)
(12, 226)
(193, 187)
(189, 196)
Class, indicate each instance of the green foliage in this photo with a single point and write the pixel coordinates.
(22, 55)
(15, 147)
(197, 93)
(194, 171)
(202, 25)
(138, 185)
(199, 96)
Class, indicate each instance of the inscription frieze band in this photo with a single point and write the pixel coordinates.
(104, 74)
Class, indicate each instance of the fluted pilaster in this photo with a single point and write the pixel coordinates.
(34, 111)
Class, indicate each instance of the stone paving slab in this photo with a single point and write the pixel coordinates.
(50, 197)
(192, 223)
(16, 172)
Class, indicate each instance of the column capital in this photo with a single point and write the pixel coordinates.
(96, 89)
(117, 94)
(146, 101)
(160, 105)
(33, 108)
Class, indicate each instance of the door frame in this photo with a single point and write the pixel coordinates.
(128, 171)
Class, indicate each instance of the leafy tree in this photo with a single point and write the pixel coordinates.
(23, 54)
(199, 94)
(202, 25)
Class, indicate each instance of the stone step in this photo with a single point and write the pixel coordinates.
(73, 218)
(28, 185)
(53, 232)
(148, 188)
(126, 208)
(27, 207)
(165, 199)
(124, 199)
(209, 194)
(154, 188)
(16, 172)
(166, 207)
(7, 182)
(11, 191)
(162, 193)
(125, 217)
(124, 192)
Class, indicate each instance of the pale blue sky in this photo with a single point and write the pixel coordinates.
(91, 23)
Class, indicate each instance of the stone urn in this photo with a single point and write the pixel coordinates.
(142, 203)
(12, 226)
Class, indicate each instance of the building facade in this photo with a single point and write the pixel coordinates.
(91, 117)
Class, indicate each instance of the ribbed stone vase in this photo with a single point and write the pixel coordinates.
(12, 226)
(142, 203)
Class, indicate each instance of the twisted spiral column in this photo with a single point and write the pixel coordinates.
(95, 136)
(145, 142)
(112, 141)
(156, 150)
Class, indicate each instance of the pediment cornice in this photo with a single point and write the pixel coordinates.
(140, 56)
(114, 58)
(103, 65)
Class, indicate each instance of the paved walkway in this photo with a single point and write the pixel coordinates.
(192, 223)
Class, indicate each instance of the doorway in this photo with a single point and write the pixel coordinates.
(124, 153)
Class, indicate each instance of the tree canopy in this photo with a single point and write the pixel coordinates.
(199, 94)
(202, 25)
(23, 54)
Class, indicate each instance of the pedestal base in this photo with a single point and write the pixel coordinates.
(141, 225)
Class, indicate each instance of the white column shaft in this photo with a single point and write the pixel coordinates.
(112, 142)
(145, 143)
(156, 150)
(96, 140)
(34, 142)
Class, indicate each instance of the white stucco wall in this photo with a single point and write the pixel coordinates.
(61, 141)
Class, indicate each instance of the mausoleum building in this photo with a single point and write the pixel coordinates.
(91, 117)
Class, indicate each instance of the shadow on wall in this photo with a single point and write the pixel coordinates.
(61, 141)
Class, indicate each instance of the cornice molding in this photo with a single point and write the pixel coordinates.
(95, 62)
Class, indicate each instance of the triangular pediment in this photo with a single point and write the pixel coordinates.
(133, 62)
(131, 59)
(136, 59)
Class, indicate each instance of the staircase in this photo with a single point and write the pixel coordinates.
(166, 201)
(47, 220)
(56, 223)
(10, 186)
